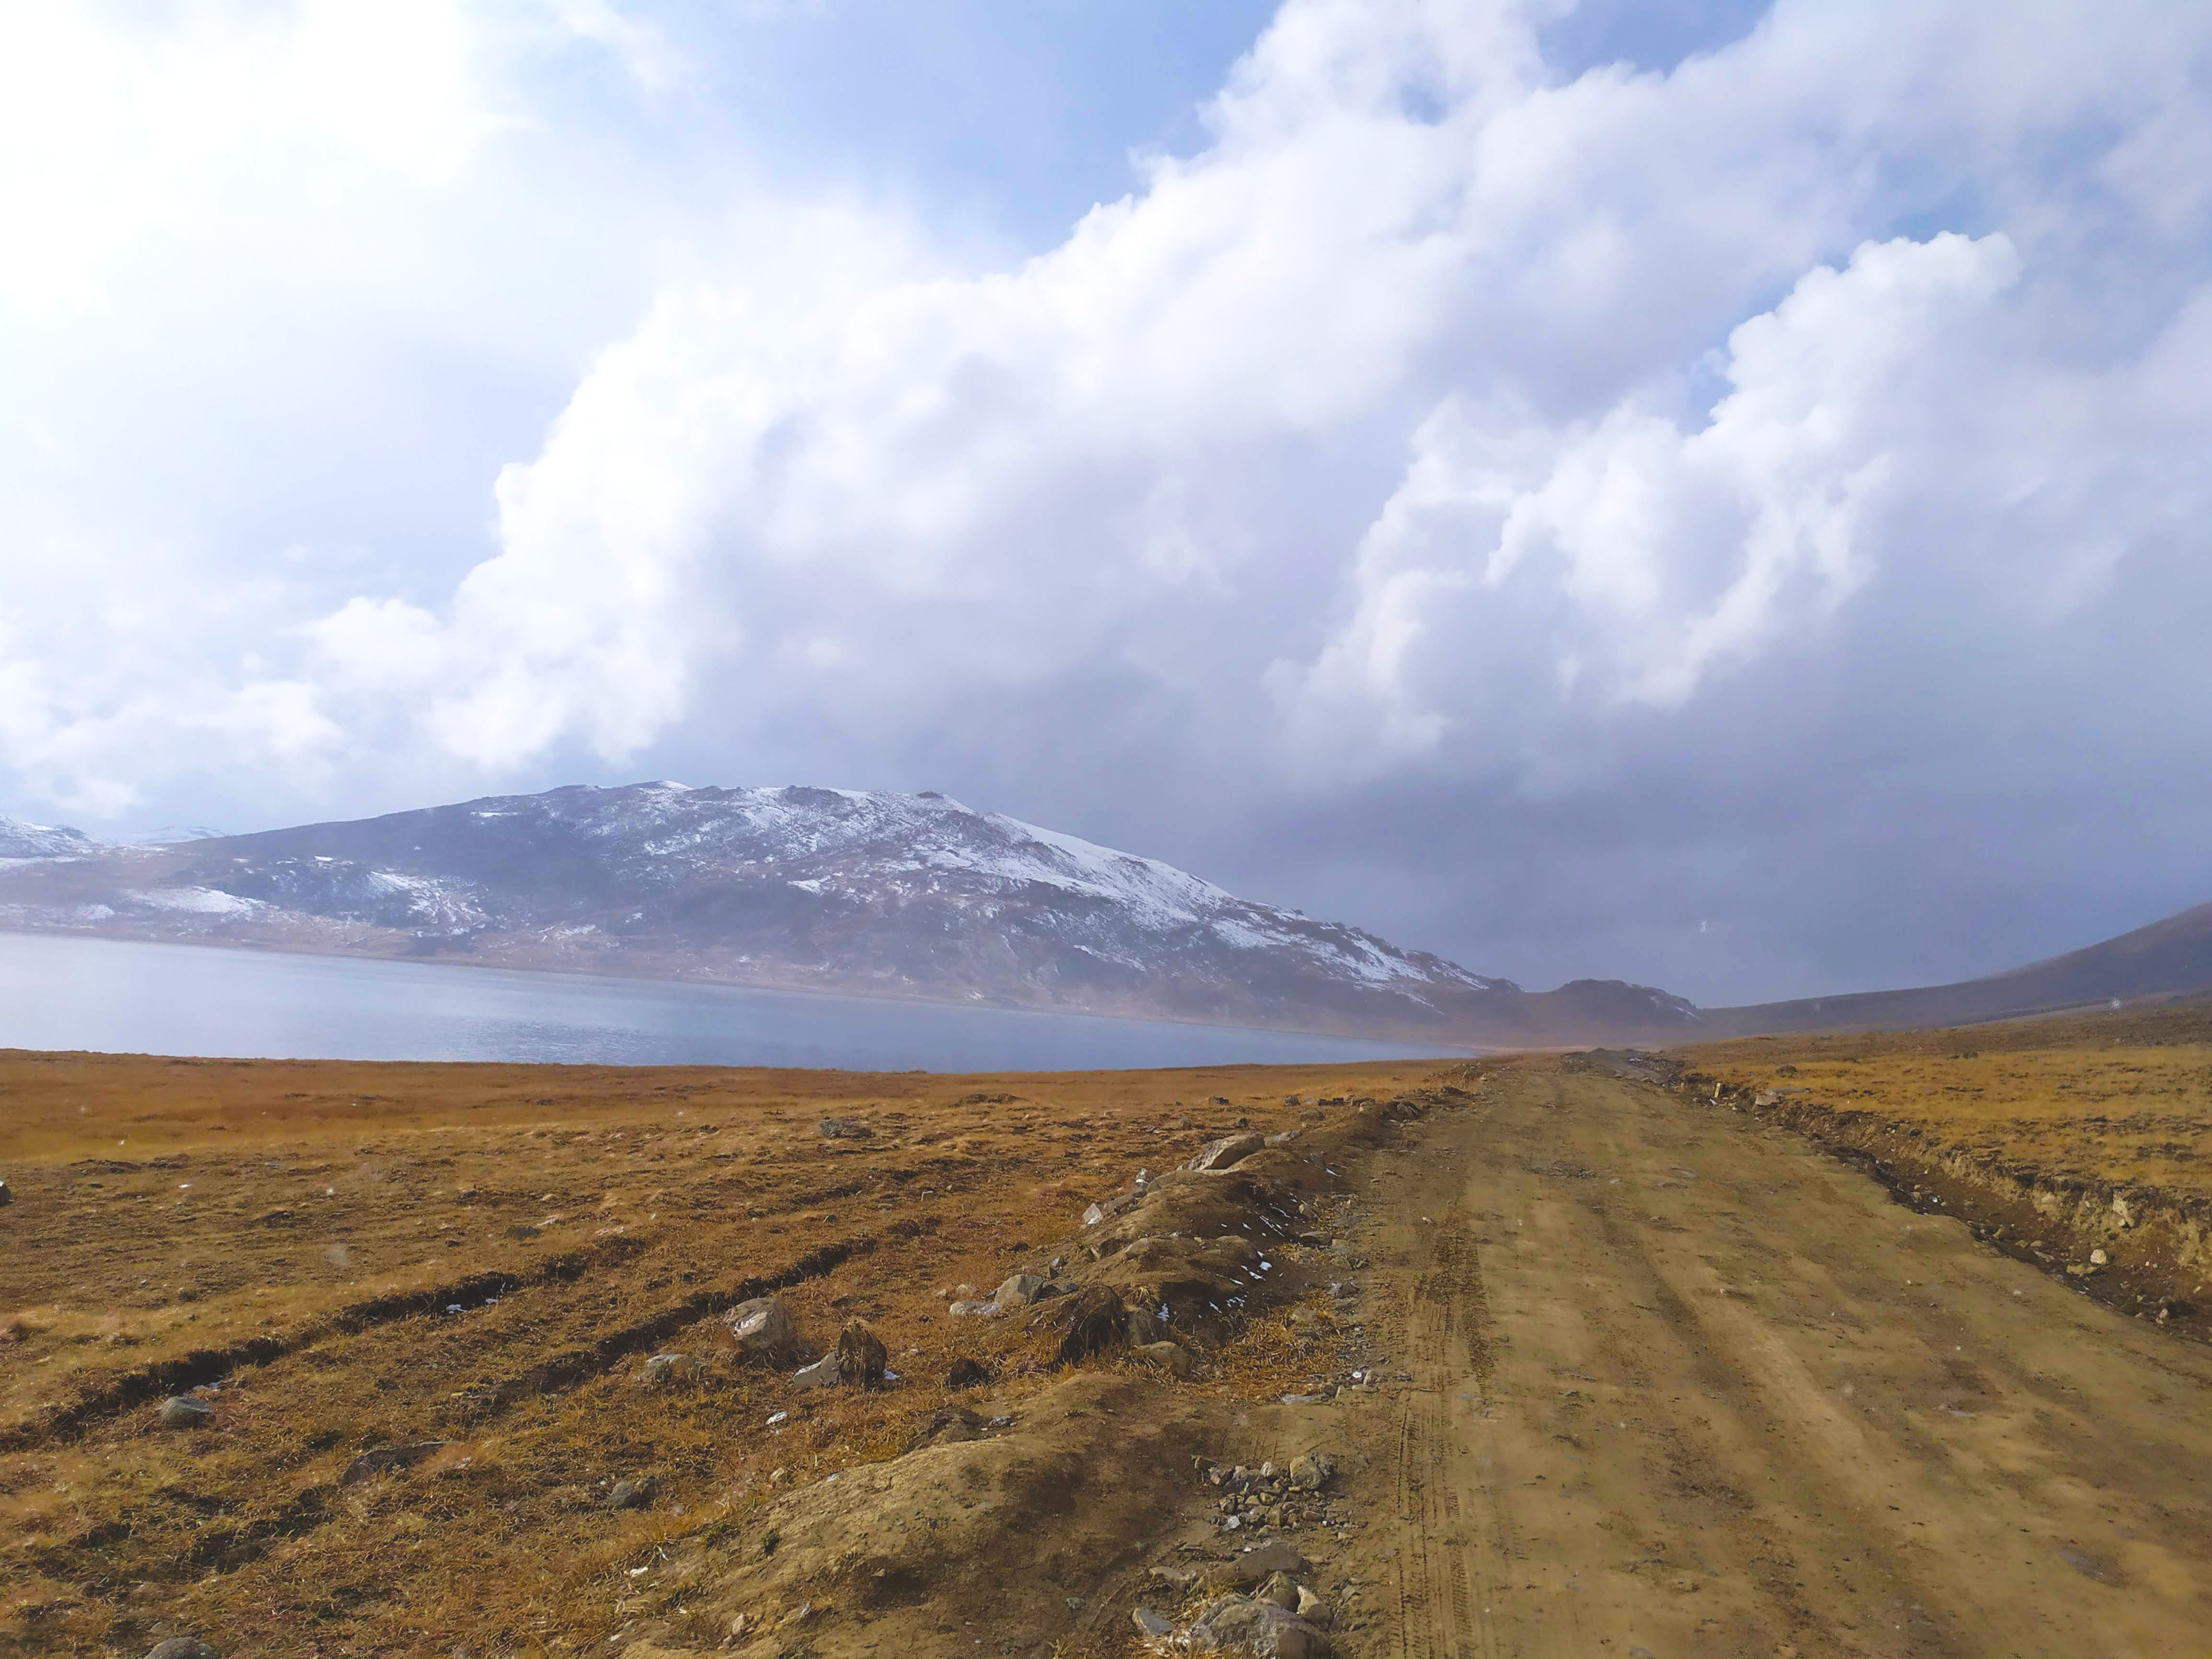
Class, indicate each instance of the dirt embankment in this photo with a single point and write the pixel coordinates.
(2037, 1135)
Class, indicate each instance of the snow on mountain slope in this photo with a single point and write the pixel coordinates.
(865, 891)
(19, 840)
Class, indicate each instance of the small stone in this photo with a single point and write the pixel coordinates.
(1308, 1399)
(821, 1374)
(1281, 1590)
(845, 1128)
(1174, 1578)
(763, 1329)
(1018, 1291)
(2098, 1259)
(1106, 1208)
(663, 1370)
(1312, 1608)
(974, 1309)
(1311, 1472)
(1150, 1623)
(630, 1494)
(1225, 1152)
(183, 1412)
(182, 1647)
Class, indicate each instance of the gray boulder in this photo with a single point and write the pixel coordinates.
(1225, 1152)
(1151, 1624)
(183, 1412)
(630, 1494)
(182, 1647)
(1241, 1624)
(821, 1374)
(1018, 1291)
(763, 1329)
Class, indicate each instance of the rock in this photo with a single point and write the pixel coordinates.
(1309, 1399)
(821, 1374)
(763, 1329)
(1312, 1608)
(845, 1128)
(1253, 1567)
(183, 1412)
(1167, 1357)
(1106, 1208)
(975, 1310)
(1018, 1291)
(1174, 1578)
(377, 1460)
(1283, 1137)
(182, 1647)
(7, 1194)
(630, 1494)
(861, 1356)
(1280, 1589)
(1225, 1152)
(2098, 1259)
(1090, 1322)
(1154, 1625)
(665, 1368)
(1238, 1624)
(1311, 1472)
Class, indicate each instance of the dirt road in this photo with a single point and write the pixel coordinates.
(1681, 1385)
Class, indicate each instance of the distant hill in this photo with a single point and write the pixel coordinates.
(863, 892)
(2171, 957)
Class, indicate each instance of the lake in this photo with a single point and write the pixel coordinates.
(119, 997)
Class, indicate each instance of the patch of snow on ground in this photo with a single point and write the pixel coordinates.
(194, 901)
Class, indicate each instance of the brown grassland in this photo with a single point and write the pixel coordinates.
(384, 1255)
(2122, 1098)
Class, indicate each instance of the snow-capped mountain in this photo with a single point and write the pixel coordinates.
(849, 891)
(19, 840)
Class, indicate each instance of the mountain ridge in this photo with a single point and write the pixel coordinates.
(864, 892)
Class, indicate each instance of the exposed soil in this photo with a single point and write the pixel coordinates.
(1533, 1357)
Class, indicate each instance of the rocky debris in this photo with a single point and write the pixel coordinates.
(1240, 1623)
(1019, 1290)
(631, 1494)
(381, 1460)
(1175, 1360)
(844, 1129)
(1227, 1152)
(968, 1373)
(763, 1329)
(183, 1412)
(182, 1647)
(663, 1370)
(861, 1356)
(1093, 1320)
(1150, 1623)
(1269, 1498)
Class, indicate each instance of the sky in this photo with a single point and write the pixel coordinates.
(1705, 494)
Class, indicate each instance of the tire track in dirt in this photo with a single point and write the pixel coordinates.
(1710, 1393)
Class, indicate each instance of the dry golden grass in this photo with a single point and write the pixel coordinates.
(2123, 1097)
(172, 1207)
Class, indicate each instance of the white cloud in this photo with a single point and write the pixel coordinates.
(1439, 416)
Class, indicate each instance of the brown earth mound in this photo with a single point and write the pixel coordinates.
(899, 1556)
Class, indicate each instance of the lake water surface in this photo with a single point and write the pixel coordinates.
(119, 997)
